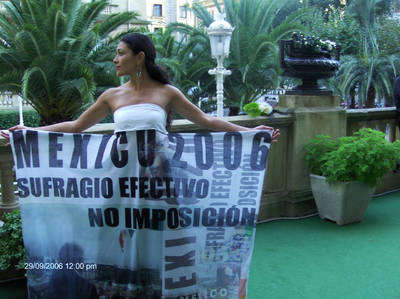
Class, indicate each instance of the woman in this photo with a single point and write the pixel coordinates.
(144, 101)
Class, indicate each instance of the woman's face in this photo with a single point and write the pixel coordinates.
(125, 61)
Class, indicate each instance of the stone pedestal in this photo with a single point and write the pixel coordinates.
(313, 115)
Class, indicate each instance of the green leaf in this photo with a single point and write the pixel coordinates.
(366, 156)
(252, 109)
(12, 252)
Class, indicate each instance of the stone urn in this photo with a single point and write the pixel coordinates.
(307, 66)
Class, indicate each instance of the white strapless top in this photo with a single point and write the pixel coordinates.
(144, 116)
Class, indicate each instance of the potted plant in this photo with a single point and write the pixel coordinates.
(310, 46)
(345, 171)
(12, 252)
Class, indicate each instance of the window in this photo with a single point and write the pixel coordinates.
(182, 12)
(157, 10)
(107, 10)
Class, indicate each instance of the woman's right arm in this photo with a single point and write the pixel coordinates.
(97, 112)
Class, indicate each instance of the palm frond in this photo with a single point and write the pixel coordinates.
(9, 81)
(113, 21)
(26, 82)
(202, 13)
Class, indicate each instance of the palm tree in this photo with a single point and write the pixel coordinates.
(370, 71)
(371, 74)
(254, 53)
(191, 54)
(168, 50)
(51, 52)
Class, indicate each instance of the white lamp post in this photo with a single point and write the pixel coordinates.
(220, 33)
(21, 117)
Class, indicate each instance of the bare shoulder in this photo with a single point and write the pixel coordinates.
(109, 94)
(183, 106)
(172, 90)
(173, 94)
(108, 97)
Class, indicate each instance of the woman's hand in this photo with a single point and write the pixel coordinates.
(6, 135)
(275, 133)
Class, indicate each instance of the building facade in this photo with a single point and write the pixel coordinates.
(210, 5)
(158, 12)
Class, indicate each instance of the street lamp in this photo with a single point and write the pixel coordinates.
(220, 33)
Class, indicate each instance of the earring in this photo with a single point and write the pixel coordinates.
(139, 72)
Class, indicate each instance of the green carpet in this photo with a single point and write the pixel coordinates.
(314, 258)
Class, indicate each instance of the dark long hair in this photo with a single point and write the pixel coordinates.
(139, 42)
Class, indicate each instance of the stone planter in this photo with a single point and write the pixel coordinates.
(309, 67)
(341, 202)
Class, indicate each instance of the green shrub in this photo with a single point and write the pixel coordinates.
(10, 118)
(366, 156)
(12, 251)
(317, 150)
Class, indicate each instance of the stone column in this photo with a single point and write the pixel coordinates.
(8, 199)
(313, 115)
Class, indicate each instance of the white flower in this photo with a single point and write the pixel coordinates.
(330, 45)
(265, 108)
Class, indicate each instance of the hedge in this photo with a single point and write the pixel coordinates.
(10, 118)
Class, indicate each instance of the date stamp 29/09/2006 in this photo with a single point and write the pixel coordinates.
(60, 266)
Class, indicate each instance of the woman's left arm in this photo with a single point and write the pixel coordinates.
(184, 107)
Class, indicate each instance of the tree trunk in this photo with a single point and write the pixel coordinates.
(352, 98)
(370, 102)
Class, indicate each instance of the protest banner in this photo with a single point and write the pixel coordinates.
(139, 214)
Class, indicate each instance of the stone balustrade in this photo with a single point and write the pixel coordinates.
(286, 189)
(10, 100)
